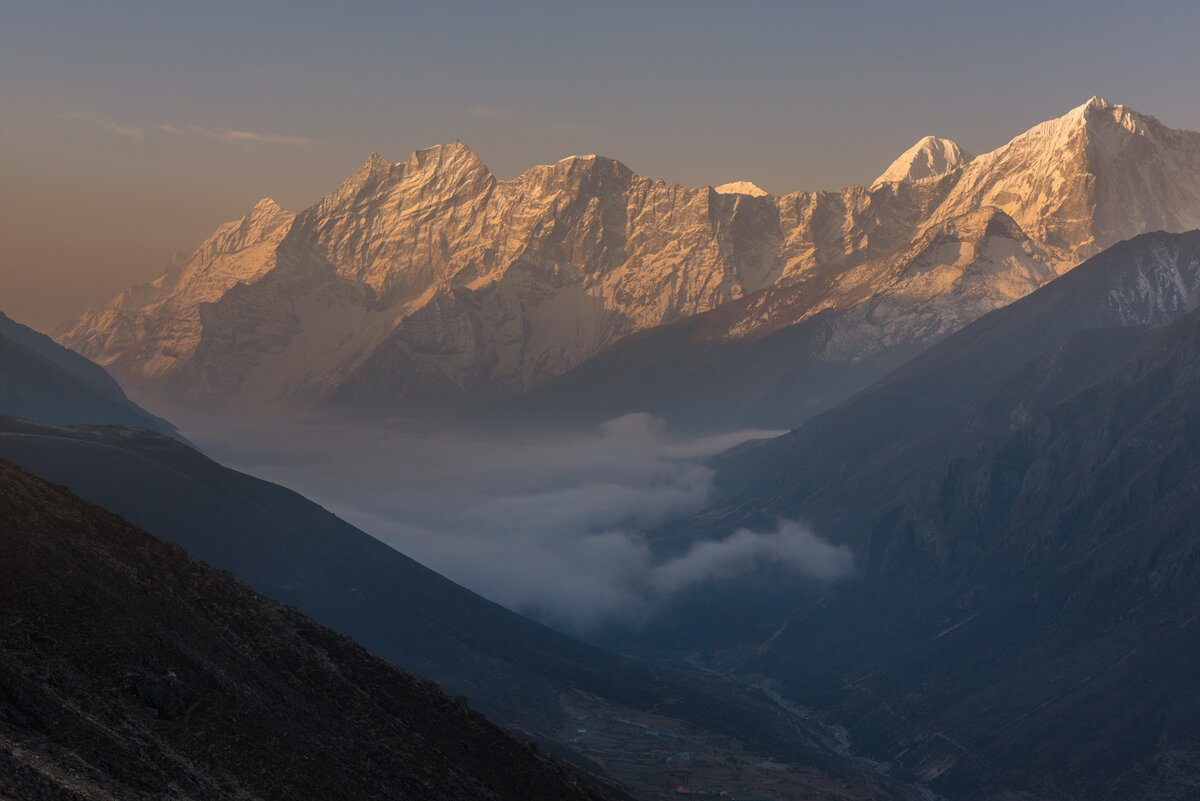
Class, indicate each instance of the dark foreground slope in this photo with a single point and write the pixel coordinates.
(43, 381)
(130, 670)
(1026, 616)
(297, 553)
(521, 674)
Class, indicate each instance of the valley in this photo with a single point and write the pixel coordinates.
(582, 484)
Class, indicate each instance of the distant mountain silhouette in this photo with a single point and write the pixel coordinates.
(430, 284)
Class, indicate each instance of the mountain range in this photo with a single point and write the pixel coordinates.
(990, 364)
(431, 284)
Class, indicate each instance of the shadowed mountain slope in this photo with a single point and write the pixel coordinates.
(1022, 503)
(520, 673)
(130, 670)
(1029, 573)
(298, 553)
(41, 380)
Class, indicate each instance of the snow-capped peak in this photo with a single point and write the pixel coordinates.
(1095, 103)
(929, 157)
(445, 157)
(432, 279)
(740, 188)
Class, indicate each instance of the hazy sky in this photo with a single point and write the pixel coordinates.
(128, 131)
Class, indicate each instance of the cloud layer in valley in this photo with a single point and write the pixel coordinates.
(547, 525)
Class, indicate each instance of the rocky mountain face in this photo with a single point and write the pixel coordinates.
(778, 356)
(1150, 280)
(431, 282)
(1021, 503)
(130, 670)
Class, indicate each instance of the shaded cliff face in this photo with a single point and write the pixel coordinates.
(1028, 618)
(1021, 501)
(130, 670)
(430, 282)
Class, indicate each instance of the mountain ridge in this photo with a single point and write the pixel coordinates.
(429, 282)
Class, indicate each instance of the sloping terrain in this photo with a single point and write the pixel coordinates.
(521, 674)
(41, 380)
(1027, 615)
(1148, 280)
(130, 670)
(1021, 501)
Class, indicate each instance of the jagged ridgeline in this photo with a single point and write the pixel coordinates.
(431, 283)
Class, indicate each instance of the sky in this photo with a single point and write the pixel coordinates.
(129, 130)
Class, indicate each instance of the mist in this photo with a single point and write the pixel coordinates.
(547, 525)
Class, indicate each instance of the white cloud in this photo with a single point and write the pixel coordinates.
(546, 525)
(227, 135)
(230, 136)
(792, 545)
(128, 131)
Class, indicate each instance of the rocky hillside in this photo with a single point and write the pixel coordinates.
(1021, 501)
(431, 282)
(129, 670)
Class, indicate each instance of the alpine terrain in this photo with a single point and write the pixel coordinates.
(430, 283)
(1021, 504)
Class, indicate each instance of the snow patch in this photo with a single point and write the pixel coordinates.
(740, 188)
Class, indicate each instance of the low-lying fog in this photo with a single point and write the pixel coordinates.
(544, 524)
